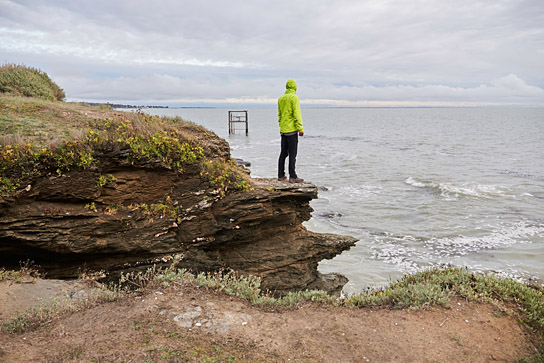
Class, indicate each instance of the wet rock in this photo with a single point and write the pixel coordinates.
(243, 162)
(330, 214)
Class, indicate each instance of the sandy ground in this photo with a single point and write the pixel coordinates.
(181, 323)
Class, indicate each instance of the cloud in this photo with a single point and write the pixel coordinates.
(167, 89)
(425, 51)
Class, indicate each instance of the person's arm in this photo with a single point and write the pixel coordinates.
(298, 117)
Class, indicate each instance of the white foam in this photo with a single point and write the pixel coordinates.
(361, 191)
(410, 254)
(454, 191)
(500, 237)
(451, 190)
(414, 182)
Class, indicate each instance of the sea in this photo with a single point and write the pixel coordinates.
(418, 187)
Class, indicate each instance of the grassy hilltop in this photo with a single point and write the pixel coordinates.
(20, 80)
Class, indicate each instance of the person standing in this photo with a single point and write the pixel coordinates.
(290, 121)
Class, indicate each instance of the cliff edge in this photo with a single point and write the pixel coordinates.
(121, 204)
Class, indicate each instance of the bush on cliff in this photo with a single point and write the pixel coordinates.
(20, 80)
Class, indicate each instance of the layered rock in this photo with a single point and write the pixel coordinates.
(80, 220)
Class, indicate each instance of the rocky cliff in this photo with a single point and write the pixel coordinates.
(118, 214)
(255, 232)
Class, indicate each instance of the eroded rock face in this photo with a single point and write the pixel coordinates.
(71, 222)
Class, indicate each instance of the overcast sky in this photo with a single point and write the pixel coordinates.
(348, 53)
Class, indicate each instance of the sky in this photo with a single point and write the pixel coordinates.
(341, 53)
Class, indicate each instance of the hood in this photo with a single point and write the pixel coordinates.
(291, 84)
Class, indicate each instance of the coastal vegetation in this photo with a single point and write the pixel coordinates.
(41, 137)
(20, 80)
(434, 287)
(423, 289)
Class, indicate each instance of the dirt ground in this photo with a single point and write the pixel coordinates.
(182, 323)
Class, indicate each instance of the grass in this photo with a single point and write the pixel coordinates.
(417, 291)
(30, 82)
(420, 290)
(37, 316)
(41, 138)
(27, 270)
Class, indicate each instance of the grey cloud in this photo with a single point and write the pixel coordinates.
(389, 50)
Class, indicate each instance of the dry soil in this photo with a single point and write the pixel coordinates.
(184, 323)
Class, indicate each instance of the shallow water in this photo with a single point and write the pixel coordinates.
(419, 187)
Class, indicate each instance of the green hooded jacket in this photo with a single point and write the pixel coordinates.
(289, 116)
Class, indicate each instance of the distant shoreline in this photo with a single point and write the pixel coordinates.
(303, 105)
(117, 105)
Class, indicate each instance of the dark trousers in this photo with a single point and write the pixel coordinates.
(289, 146)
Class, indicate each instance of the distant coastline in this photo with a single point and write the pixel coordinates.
(117, 105)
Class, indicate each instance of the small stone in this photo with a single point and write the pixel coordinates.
(183, 321)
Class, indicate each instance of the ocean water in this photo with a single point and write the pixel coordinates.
(419, 187)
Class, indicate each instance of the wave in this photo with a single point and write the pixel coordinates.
(500, 237)
(450, 190)
(412, 254)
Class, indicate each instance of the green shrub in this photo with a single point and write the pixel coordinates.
(224, 175)
(21, 80)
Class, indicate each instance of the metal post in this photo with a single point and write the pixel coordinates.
(247, 121)
(238, 117)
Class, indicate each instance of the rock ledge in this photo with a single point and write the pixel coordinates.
(255, 232)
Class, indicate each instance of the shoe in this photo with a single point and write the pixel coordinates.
(283, 178)
(296, 180)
